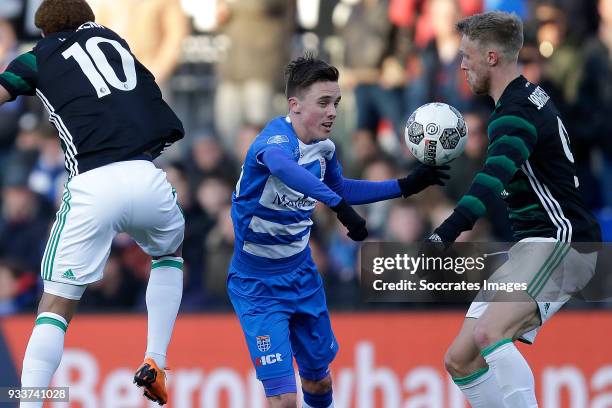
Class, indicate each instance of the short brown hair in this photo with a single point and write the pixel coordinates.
(305, 71)
(498, 27)
(62, 15)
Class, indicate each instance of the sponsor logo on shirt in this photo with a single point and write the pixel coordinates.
(277, 139)
(298, 203)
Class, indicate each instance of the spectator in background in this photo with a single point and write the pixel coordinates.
(9, 113)
(116, 292)
(370, 71)
(249, 76)
(155, 30)
(562, 57)
(424, 26)
(595, 96)
(520, 7)
(406, 224)
(213, 194)
(219, 246)
(209, 159)
(17, 288)
(20, 13)
(48, 173)
(197, 226)
(438, 76)
(378, 169)
(23, 226)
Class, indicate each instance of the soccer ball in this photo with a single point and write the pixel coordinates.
(436, 133)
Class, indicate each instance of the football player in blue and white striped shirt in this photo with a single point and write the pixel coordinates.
(273, 282)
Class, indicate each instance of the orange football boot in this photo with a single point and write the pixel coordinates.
(153, 379)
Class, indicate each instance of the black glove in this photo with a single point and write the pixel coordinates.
(421, 178)
(355, 224)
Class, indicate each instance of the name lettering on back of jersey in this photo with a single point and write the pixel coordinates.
(539, 98)
(277, 139)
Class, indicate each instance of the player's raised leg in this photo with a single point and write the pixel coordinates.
(470, 371)
(158, 227)
(165, 282)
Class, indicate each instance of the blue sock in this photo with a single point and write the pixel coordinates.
(281, 385)
(318, 400)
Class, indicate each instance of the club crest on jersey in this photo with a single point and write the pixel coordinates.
(277, 139)
(263, 343)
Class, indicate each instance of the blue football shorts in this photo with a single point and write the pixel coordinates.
(284, 316)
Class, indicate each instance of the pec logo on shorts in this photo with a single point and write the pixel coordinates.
(263, 343)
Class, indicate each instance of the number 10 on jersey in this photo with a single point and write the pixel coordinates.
(95, 58)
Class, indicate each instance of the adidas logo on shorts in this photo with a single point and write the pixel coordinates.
(69, 275)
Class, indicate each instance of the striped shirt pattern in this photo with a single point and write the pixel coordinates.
(271, 220)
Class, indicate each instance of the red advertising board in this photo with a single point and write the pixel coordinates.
(390, 360)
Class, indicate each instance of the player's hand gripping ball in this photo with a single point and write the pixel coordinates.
(436, 133)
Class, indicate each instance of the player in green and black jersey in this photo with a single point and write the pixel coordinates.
(530, 165)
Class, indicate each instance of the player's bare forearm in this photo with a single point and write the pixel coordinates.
(5, 96)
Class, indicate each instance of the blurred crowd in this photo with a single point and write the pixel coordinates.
(220, 66)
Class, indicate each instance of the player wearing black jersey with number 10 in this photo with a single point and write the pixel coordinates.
(112, 123)
(530, 164)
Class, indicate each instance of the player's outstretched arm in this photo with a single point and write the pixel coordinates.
(19, 78)
(299, 179)
(357, 192)
(512, 141)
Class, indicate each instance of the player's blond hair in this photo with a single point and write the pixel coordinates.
(495, 27)
(62, 15)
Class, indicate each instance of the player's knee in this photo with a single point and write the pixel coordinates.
(456, 363)
(322, 386)
(485, 335)
(283, 401)
(58, 305)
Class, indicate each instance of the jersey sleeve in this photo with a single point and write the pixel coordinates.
(281, 142)
(287, 170)
(357, 192)
(21, 76)
(512, 138)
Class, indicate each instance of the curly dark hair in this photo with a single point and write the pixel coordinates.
(62, 15)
